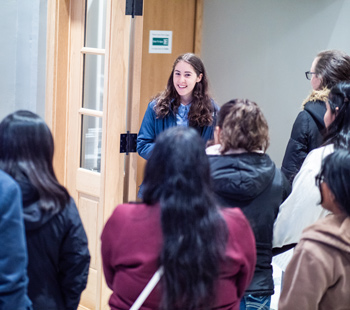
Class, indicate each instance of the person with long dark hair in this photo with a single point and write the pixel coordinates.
(318, 276)
(184, 102)
(328, 68)
(302, 207)
(208, 255)
(244, 176)
(58, 255)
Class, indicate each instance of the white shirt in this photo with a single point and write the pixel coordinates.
(182, 115)
(302, 207)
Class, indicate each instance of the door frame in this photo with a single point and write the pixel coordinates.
(123, 63)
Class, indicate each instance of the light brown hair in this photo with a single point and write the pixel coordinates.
(242, 125)
(333, 66)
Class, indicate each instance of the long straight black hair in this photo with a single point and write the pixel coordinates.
(26, 151)
(338, 131)
(177, 176)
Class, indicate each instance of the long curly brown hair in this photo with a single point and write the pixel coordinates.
(201, 110)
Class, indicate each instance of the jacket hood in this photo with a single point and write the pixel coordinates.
(316, 107)
(241, 176)
(334, 231)
(34, 216)
(317, 95)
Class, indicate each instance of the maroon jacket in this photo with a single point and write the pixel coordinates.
(131, 244)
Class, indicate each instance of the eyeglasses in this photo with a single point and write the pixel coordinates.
(309, 74)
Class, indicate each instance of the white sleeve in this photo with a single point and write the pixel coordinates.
(302, 207)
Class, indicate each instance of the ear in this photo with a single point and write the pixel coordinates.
(199, 77)
(217, 133)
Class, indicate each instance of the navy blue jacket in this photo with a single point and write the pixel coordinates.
(252, 182)
(152, 126)
(13, 254)
(58, 255)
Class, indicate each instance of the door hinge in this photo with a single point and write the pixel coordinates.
(128, 142)
(134, 7)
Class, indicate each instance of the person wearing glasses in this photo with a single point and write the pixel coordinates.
(302, 207)
(328, 68)
(318, 276)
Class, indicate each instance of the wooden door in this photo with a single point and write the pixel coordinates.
(93, 71)
(184, 19)
(93, 95)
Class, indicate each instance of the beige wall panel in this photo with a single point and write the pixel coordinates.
(88, 298)
(88, 182)
(75, 94)
(112, 161)
(130, 188)
(56, 80)
(88, 209)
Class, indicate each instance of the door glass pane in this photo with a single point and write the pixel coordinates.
(93, 82)
(91, 143)
(95, 23)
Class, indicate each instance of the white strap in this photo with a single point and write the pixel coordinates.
(148, 289)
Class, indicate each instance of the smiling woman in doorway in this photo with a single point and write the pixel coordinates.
(184, 102)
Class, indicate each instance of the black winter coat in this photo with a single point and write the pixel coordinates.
(252, 182)
(58, 255)
(306, 134)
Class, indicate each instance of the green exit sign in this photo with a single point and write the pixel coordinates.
(160, 41)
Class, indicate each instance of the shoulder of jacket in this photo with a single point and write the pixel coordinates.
(7, 181)
(302, 120)
(152, 104)
(233, 214)
(70, 212)
(215, 105)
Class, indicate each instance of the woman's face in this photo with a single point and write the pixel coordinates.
(328, 199)
(328, 116)
(315, 81)
(185, 79)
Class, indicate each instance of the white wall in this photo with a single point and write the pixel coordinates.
(260, 49)
(23, 55)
